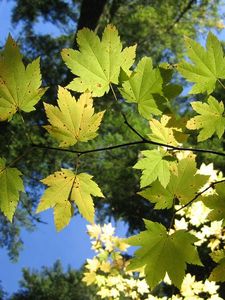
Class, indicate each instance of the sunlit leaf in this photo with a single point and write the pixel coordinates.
(207, 64)
(66, 188)
(19, 86)
(210, 120)
(97, 63)
(154, 165)
(182, 187)
(10, 186)
(141, 87)
(72, 121)
(162, 253)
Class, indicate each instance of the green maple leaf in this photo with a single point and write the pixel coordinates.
(218, 273)
(98, 63)
(141, 87)
(157, 194)
(210, 119)
(207, 64)
(183, 186)
(162, 253)
(66, 188)
(10, 186)
(72, 121)
(154, 165)
(216, 202)
(19, 86)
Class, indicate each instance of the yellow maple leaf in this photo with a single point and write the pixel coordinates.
(72, 121)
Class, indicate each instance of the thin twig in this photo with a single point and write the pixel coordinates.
(37, 219)
(200, 193)
(16, 160)
(145, 141)
(132, 128)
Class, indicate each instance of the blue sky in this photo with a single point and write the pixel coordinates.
(44, 246)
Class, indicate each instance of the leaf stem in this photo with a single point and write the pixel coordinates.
(220, 82)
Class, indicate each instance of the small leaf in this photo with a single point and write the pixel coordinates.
(98, 63)
(217, 255)
(10, 186)
(183, 186)
(65, 187)
(141, 87)
(161, 133)
(72, 121)
(210, 119)
(161, 253)
(159, 195)
(153, 166)
(19, 86)
(207, 67)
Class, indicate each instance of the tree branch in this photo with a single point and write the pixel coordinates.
(145, 141)
(200, 193)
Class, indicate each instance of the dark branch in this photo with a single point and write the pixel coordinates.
(132, 128)
(200, 193)
(144, 141)
(90, 12)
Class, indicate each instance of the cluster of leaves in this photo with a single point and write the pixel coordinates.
(108, 271)
(168, 177)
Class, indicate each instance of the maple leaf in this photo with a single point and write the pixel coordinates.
(183, 186)
(170, 90)
(72, 121)
(161, 133)
(154, 165)
(216, 203)
(19, 86)
(218, 273)
(210, 119)
(207, 67)
(65, 187)
(98, 63)
(10, 186)
(141, 87)
(157, 194)
(162, 253)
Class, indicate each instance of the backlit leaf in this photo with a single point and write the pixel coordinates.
(162, 253)
(154, 165)
(19, 86)
(210, 119)
(161, 133)
(141, 87)
(10, 186)
(207, 64)
(66, 188)
(216, 202)
(183, 186)
(72, 121)
(98, 63)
